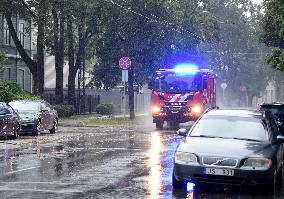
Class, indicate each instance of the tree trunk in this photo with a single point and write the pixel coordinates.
(41, 47)
(131, 93)
(74, 68)
(84, 79)
(59, 56)
(55, 45)
(31, 64)
(71, 79)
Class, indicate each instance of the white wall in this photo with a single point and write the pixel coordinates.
(268, 96)
(50, 75)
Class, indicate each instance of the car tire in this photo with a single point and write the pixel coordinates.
(176, 183)
(279, 177)
(16, 133)
(54, 128)
(173, 125)
(36, 132)
(271, 188)
(159, 124)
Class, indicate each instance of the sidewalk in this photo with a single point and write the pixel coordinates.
(75, 121)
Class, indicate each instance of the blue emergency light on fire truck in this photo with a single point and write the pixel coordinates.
(181, 94)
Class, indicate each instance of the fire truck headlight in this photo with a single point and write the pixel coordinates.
(156, 109)
(196, 109)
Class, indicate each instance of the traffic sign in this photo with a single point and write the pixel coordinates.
(243, 88)
(125, 63)
(125, 75)
(224, 85)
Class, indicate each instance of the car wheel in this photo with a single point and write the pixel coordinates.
(159, 124)
(36, 132)
(16, 133)
(176, 183)
(54, 128)
(173, 125)
(280, 175)
(272, 185)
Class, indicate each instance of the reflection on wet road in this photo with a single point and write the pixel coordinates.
(155, 177)
(102, 162)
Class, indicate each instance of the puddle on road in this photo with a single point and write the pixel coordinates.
(124, 164)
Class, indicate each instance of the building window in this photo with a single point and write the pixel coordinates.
(7, 38)
(22, 33)
(8, 73)
(21, 78)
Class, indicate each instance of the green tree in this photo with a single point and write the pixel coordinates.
(58, 31)
(273, 32)
(148, 32)
(237, 55)
(38, 15)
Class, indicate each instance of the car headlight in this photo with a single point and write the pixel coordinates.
(196, 109)
(156, 109)
(257, 163)
(185, 158)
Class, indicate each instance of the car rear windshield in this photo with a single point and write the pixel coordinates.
(231, 127)
(25, 107)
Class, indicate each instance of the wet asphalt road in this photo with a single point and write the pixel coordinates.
(97, 162)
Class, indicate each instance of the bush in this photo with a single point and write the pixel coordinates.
(10, 90)
(64, 110)
(104, 109)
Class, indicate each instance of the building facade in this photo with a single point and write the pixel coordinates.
(50, 74)
(16, 70)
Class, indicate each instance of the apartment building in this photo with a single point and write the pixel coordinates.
(16, 69)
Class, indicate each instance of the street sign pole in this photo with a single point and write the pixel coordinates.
(124, 64)
(124, 100)
(124, 74)
(224, 86)
(243, 89)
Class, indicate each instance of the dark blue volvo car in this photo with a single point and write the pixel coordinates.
(231, 147)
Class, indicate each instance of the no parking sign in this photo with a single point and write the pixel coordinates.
(125, 63)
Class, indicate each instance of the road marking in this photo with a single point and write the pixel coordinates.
(11, 172)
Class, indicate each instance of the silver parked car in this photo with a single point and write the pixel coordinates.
(36, 116)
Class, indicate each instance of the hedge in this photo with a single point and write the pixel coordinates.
(64, 110)
(10, 90)
(104, 109)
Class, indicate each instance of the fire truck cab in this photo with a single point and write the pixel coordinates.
(182, 94)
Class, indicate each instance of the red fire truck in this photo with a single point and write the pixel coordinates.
(181, 94)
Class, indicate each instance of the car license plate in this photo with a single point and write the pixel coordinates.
(219, 172)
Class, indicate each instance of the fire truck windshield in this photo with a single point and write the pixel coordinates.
(173, 84)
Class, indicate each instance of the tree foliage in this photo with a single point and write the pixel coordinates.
(273, 32)
(31, 10)
(237, 55)
(148, 32)
(10, 90)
